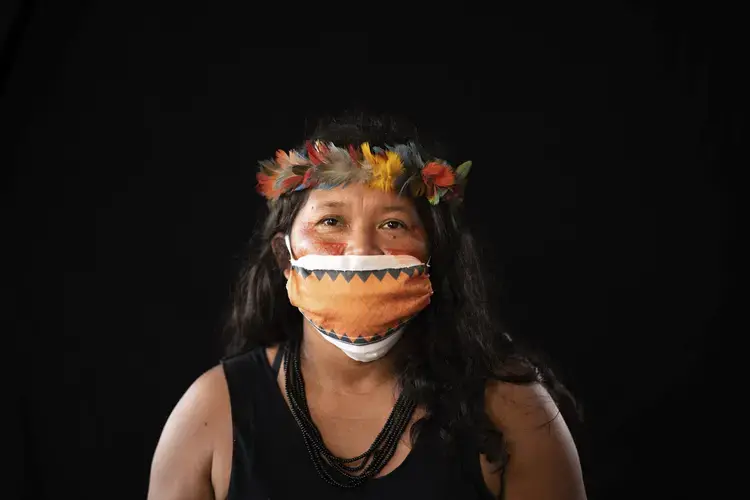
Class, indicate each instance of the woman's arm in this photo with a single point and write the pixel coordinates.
(543, 463)
(183, 464)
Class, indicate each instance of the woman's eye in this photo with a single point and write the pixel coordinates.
(394, 224)
(329, 221)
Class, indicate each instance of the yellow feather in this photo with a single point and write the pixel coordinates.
(385, 168)
(369, 157)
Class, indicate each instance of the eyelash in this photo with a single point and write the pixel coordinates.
(403, 226)
(323, 221)
(335, 219)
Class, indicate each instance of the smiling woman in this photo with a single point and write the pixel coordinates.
(364, 361)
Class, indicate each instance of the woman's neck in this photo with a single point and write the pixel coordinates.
(329, 367)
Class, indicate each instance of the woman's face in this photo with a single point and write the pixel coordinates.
(358, 220)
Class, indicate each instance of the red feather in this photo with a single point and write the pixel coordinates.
(353, 153)
(290, 183)
(438, 174)
(312, 154)
(307, 179)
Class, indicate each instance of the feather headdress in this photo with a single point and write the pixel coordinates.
(398, 168)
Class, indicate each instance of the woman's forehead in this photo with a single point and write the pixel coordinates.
(357, 196)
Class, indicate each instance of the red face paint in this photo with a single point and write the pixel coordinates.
(312, 243)
(308, 229)
(330, 248)
(319, 248)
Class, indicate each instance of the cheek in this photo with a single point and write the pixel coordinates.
(415, 244)
(329, 248)
(415, 248)
(419, 237)
(419, 253)
(309, 242)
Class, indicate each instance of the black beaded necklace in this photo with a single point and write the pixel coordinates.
(372, 461)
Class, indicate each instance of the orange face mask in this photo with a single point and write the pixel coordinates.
(360, 303)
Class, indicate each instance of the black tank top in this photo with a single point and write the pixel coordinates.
(270, 460)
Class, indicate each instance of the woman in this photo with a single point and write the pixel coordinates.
(364, 360)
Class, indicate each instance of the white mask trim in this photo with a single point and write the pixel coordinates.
(365, 353)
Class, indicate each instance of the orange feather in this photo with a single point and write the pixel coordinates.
(438, 174)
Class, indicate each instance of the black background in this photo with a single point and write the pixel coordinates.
(603, 141)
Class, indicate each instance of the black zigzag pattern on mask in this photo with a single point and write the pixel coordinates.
(359, 340)
(379, 274)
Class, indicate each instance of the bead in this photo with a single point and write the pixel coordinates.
(372, 461)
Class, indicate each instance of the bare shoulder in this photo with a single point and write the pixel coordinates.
(190, 460)
(543, 459)
(204, 406)
(517, 408)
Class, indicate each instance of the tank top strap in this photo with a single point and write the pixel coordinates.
(277, 360)
(245, 374)
(249, 379)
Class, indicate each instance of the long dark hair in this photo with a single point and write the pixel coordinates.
(458, 345)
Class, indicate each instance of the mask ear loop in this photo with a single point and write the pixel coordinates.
(289, 248)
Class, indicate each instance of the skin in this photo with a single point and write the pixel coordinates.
(350, 401)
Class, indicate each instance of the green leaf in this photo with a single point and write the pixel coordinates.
(463, 170)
